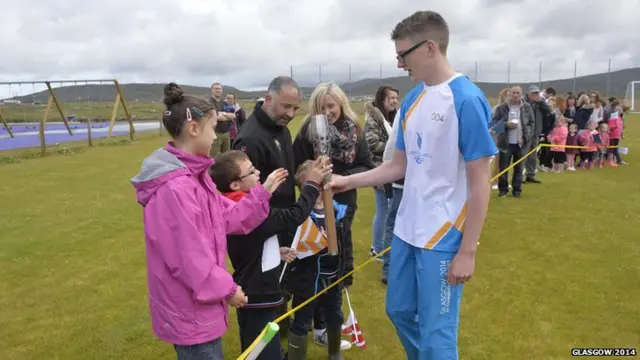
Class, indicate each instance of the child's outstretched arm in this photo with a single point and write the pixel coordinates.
(242, 217)
(280, 220)
(184, 249)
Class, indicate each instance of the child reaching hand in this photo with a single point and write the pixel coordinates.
(313, 273)
(558, 137)
(252, 255)
(185, 224)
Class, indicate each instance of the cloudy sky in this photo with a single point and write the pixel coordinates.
(244, 43)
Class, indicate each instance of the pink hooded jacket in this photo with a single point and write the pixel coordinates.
(185, 224)
(559, 137)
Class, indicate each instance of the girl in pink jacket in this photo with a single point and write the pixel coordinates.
(558, 139)
(185, 224)
(614, 120)
(587, 140)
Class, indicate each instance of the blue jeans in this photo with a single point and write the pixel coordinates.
(421, 304)
(211, 350)
(379, 219)
(389, 225)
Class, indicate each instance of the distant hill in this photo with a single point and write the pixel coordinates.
(366, 87)
(618, 81)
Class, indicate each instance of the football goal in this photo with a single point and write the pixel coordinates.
(632, 96)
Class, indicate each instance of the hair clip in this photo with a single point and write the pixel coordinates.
(189, 118)
(197, 111)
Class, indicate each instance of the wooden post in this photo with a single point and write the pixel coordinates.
(114, 112)
(6, 126)
(43, 122)
(132, 129)
(55, 100)
(89, 123)
(330, 222)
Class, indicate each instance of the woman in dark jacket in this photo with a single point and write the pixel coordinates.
(378, 116)
(584, 109)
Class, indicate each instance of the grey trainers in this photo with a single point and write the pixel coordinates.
(321, 338)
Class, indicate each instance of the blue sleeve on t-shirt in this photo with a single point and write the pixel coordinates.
(474, 119)
(400, 138)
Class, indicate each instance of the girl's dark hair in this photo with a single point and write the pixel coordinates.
(226, 169)
(180, 108)
(381, 95)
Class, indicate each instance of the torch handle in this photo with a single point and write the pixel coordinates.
(330, 222)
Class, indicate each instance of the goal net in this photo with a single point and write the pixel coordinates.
(632, 96)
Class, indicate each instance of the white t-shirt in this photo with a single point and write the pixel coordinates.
(442, 128)
(391, 145)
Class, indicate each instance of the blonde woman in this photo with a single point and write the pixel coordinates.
(349, 155)
(598, 107)
(584, 109)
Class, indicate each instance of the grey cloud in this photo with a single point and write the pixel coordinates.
(247, 43)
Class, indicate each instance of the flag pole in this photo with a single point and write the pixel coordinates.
(353, 320)
(294, 245)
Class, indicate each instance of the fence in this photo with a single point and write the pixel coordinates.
(609, 76)
(27, 107)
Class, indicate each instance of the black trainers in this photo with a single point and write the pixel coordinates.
(502, 194)
(516, 195)
(532, 181)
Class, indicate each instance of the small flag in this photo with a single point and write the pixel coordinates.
(309, 240)
(351, 327)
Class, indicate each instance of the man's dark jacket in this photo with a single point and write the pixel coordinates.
(269, 148)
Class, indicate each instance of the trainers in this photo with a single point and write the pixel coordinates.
(320, 338)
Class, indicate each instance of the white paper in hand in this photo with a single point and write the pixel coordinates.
(270, 254)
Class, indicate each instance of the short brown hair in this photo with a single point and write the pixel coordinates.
(226, 169)
(302, 171)
(423, 25)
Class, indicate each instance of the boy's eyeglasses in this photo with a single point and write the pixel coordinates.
(252, 171)
(406, 53)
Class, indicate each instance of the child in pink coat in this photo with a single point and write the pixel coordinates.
(558, 138)
(587, 140)
(614, 120)
(185, 224)
(570, 150)
(603, 145)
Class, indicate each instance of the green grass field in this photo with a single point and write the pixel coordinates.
(556, 269)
